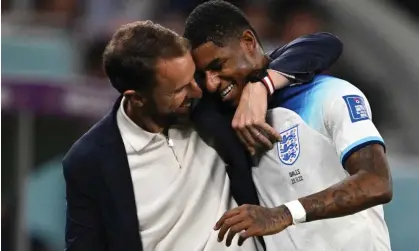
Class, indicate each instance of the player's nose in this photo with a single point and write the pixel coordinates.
(212, 81)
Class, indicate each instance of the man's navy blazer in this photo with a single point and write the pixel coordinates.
(101, 208)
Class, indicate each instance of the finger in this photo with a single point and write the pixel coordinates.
(226, 216)
(241, 240)
(248, 137)
(249, 232)
(242, 139)
(270, 132)
(226, 226)
(237, 228)
(261, 138)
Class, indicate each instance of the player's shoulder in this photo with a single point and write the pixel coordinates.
(331, 86)
(309, 99)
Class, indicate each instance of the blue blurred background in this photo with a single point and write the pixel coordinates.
(53, 89)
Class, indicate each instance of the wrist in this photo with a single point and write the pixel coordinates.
(261, 76)
(286, 215)
(297, 211)
(269, 84)
(261, 87)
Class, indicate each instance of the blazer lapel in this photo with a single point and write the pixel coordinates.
(118, 177)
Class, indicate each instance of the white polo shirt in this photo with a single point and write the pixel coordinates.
(181, 189)
(321, 123)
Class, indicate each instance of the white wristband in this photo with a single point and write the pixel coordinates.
(297, 211)
(268, 84)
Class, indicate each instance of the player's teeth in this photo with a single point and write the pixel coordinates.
(227, 90)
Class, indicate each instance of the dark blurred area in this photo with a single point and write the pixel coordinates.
(53, 89)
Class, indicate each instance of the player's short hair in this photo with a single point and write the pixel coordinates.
(130, 57)
(215, 21)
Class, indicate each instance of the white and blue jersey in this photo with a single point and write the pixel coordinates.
(321, 124)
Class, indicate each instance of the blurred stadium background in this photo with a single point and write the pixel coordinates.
(53, 89)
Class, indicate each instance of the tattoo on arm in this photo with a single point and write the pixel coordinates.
(269, 218)
(369, 185)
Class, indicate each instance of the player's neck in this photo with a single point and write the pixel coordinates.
(262, 61)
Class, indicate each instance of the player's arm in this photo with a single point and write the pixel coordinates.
(347, 118)
(368, 185)
(83, 227)
(297, 61)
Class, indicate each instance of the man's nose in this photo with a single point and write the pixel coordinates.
(212, 81)
(195, 91)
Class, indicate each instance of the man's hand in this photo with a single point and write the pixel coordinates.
(250, 119)
(252, 220)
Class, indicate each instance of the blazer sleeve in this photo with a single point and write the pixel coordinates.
(306, 56)
(84, 230)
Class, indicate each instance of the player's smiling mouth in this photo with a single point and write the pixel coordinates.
(226, 91)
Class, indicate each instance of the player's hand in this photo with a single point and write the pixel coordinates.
(249, 121)
(252, 220)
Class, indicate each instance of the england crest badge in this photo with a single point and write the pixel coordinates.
(289, 147)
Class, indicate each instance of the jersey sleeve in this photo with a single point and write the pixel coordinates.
(347, 119)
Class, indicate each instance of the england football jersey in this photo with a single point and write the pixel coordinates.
(321, 124)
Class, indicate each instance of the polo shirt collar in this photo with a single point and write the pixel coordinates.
(131, 132)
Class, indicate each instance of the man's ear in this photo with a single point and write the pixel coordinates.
(135, 98)
(248, 40)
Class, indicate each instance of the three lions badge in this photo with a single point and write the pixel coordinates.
(289, 147)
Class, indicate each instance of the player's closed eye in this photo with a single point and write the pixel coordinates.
(216, 65)
(219, 66)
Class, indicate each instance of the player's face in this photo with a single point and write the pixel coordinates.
(175, 89)
(227, 67)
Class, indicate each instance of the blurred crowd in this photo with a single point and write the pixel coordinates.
(87, 25)
(68, 37)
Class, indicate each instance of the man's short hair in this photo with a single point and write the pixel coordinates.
(215, 21)
(130, 57)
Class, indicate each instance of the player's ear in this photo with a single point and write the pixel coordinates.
(135, 98)
(248, 40)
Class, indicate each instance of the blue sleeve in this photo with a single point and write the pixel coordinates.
(306, 56)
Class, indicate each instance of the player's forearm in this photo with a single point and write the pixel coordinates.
(350, 196)
(369, 185)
